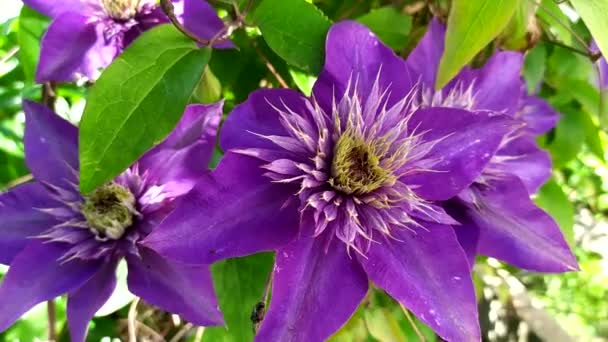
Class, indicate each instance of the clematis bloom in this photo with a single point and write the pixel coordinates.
(58, 241)
(497, 217)
(86, 35)
(342, 185)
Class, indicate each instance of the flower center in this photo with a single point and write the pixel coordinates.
(109, 211)
(356, 166)
(121, 9)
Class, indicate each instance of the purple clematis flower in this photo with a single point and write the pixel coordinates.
(57, 241)
(602, 66)
(342, 186)
(497, 217)
(86, 35)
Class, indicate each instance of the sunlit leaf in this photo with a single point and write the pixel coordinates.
(136, 102)
(471, 26)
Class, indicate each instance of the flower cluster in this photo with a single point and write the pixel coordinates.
(86, 35)
(377, 177)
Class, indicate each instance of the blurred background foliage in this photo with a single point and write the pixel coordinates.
(514, 305)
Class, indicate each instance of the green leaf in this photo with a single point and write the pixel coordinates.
(471, 26)
(136, 102)
(593, 136)
(382, 325)
(534, 67)
(390, 25)
(295, 30)
(240, 285)
(516, 35)
(552, 198)
(304, 81)
(32, 25)
(560, 24)
(569, 136)
(595, 15)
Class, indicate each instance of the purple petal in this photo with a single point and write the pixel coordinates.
(178, 288)
(73, 45)
(425, 58)
(201, 19)
(602, 65)
(51, 145)
(316, 289)
(469, 140)
(502, 71)
(185, 155)
(257, 115)
(85, 301)
(428, 273)
(539, 116)
(522, 157)
(52, 8)
(233, 212)
(20, 219)
(354, 53)
(512, 228)
(35, 276)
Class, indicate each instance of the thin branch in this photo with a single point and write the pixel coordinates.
(270, 67)
(182, 332)
(412, 323)
(131, 320)
(51, 319)
(12, 52)
(567, 47)
(167, 7)
(590, 54)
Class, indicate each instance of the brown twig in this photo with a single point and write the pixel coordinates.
(132, 320)
(52, 318)
(412, 323)
(182, 332)
(270, 67)
(48, 99)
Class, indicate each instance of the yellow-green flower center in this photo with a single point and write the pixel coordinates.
(121, 9)
(356, 166)
(110, 210)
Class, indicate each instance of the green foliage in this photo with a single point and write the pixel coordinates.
(136, 102)
(295, 30)
(593, 13)
(471, 26)
(390, 25)
(240, 285)
(32, 26)
(552, 198)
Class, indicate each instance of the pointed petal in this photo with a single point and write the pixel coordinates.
(20, 220)
(315, 291)
(52, 8)
(512, 228)
(85, 301)
(353, 52)
(51, 146)
(502, 71)
(468, 142)
(425, 58)
(428, 273)
(177, 288)
(257, 115)
(233, 212)
(185, 155)
(73, 45)
(201, 19)
(539, 116)
(523, 158)
(35, 276)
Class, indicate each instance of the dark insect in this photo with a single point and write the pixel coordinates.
(257, 315)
